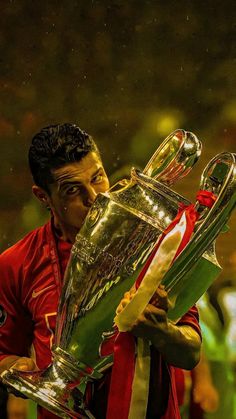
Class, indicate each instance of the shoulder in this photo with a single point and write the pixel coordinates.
(25, 248)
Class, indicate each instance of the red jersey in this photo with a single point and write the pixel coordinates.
(31, 275)
(30, 286)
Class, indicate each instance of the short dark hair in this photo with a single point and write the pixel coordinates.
(53, 147)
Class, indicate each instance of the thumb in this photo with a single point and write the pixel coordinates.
(24, 364)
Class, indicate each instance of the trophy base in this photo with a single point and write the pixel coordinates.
(57, 397)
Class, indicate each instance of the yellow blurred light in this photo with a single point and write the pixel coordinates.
(229, 111)
(168, 121)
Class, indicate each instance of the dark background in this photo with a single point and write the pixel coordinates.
(129, 73)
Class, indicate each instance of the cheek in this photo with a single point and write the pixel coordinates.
(103, 187)
(74, 210)
(64, 209)
(59, 205)
(70, 204)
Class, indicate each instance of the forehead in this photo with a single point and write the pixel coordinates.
(81, 170)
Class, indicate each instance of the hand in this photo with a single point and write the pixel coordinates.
(153, 317)
(169, 339)
(17, 407)
(20, 364)
(151, 323)
(126, 299)
(24, 364)
(206, 396)
(159, 299)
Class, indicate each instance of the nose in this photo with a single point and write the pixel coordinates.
(89, 197)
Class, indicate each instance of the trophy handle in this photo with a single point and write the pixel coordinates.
(219, 177)
(174, 158)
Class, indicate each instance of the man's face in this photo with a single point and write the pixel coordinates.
(75, 189)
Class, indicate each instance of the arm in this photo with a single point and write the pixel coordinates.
(179, 344)
(14, 326)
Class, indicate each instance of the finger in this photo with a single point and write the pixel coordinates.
(160, 300)
(133, 290)
(129, 294)
(155, 314)
(124, 302)
(24, 364)
(161, 292)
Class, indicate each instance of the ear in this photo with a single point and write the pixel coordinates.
(41, 194)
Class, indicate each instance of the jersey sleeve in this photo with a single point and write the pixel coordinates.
(15, 325)
(191, 318)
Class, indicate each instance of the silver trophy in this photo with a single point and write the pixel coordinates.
(117, 237)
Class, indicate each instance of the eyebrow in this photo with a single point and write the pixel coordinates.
(62, 183)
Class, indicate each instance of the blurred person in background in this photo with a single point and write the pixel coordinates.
(17, 408)
(208, 391)
(204, 396)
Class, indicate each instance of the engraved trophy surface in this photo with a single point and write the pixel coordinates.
(111, 248)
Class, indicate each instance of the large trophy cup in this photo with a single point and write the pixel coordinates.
(118, 235)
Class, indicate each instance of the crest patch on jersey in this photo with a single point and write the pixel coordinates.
(3, 316)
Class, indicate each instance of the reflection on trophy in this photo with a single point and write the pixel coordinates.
(116, 240)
